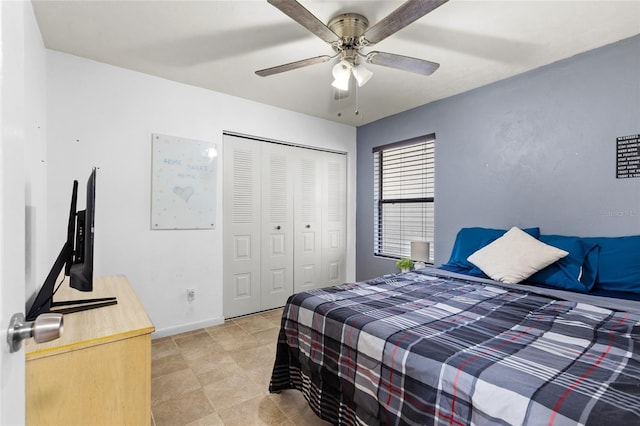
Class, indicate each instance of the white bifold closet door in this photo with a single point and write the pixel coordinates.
(308, 220)
(242, 223)
(277, 225)
(334, 214)
(284, 222)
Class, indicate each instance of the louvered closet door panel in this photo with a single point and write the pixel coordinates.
(277, 224)
(308, 220)
(242, 222)
(334, 216)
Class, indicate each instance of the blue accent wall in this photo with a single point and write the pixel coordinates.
(537, 149)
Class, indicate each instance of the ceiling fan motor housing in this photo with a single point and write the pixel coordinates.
(350, 27)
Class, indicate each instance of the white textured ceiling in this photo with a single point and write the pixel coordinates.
(218, 45)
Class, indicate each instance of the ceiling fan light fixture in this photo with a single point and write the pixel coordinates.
(362, 74)
(341, 70)
(341, 74)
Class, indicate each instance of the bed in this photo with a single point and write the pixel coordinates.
(441, 346)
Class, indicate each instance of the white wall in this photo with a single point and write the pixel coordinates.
(103, 116)
(35, 163)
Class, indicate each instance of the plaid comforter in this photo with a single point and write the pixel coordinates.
(416, 349)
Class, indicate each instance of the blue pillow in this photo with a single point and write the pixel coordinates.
(576, 271)
(619, 263)
(470, 240)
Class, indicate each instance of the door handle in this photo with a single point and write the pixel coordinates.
(45, 328)
(278, 228)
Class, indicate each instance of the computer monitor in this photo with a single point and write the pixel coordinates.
(76, 258)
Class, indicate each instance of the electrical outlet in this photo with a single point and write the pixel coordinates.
(191, 294)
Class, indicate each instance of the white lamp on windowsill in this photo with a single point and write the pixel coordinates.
(419, 253)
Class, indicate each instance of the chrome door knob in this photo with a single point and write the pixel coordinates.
(45, 328)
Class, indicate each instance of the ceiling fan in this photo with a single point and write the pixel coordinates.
(349, 33)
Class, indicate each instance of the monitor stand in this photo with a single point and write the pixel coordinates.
(82, 305)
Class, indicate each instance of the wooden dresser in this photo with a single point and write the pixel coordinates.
(99, 371)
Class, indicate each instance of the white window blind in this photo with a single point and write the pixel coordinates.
(404, 196)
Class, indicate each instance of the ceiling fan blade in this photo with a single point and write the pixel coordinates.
(293, 65)
(298, 13)
(407, 13)
(405, 63)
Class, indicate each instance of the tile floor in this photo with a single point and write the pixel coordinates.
(220, 376)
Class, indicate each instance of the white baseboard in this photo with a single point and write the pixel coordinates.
(183, 328)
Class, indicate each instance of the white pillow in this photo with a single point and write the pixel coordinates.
(515, 256)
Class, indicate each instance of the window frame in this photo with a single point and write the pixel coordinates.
(379, 200)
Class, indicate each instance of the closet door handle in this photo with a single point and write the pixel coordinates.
(278, 228)
(307, 226)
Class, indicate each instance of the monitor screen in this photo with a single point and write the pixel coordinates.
(81, 276)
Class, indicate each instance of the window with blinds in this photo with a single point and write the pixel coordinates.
(404, 196)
